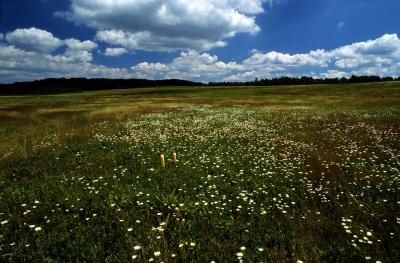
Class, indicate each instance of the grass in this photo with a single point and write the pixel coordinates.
(268, 174)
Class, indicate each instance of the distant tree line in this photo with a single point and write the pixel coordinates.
(305, 81)
(62, 85)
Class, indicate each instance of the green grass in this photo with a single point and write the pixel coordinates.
(278, 174)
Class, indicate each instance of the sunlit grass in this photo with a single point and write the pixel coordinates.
(256, 182)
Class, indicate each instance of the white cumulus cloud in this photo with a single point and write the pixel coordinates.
(373, 57)
(115, 52)
(380, 56)
(39, 40)
(79, 50)
(166, 25)
(28, 56)
(189, 65)
(34, 39)
(75, 44)
(331, 74)
(382, 51)
(21, 65)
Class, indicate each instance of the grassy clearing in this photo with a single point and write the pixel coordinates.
(275, 174)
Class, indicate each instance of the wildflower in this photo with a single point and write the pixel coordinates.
(157, 253)
(134, 256)
(38, 228)
(4, 222)
(240, 254)
(130, 229)
(137, 247)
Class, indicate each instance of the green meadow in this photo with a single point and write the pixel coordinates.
(263, 174)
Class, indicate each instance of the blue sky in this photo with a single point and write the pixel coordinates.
(204, 40)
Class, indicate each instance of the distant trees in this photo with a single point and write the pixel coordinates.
(304, 81)
(62, 85)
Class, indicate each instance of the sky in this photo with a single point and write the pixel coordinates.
(199, 40)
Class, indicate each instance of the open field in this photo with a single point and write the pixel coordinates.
(268, 174)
